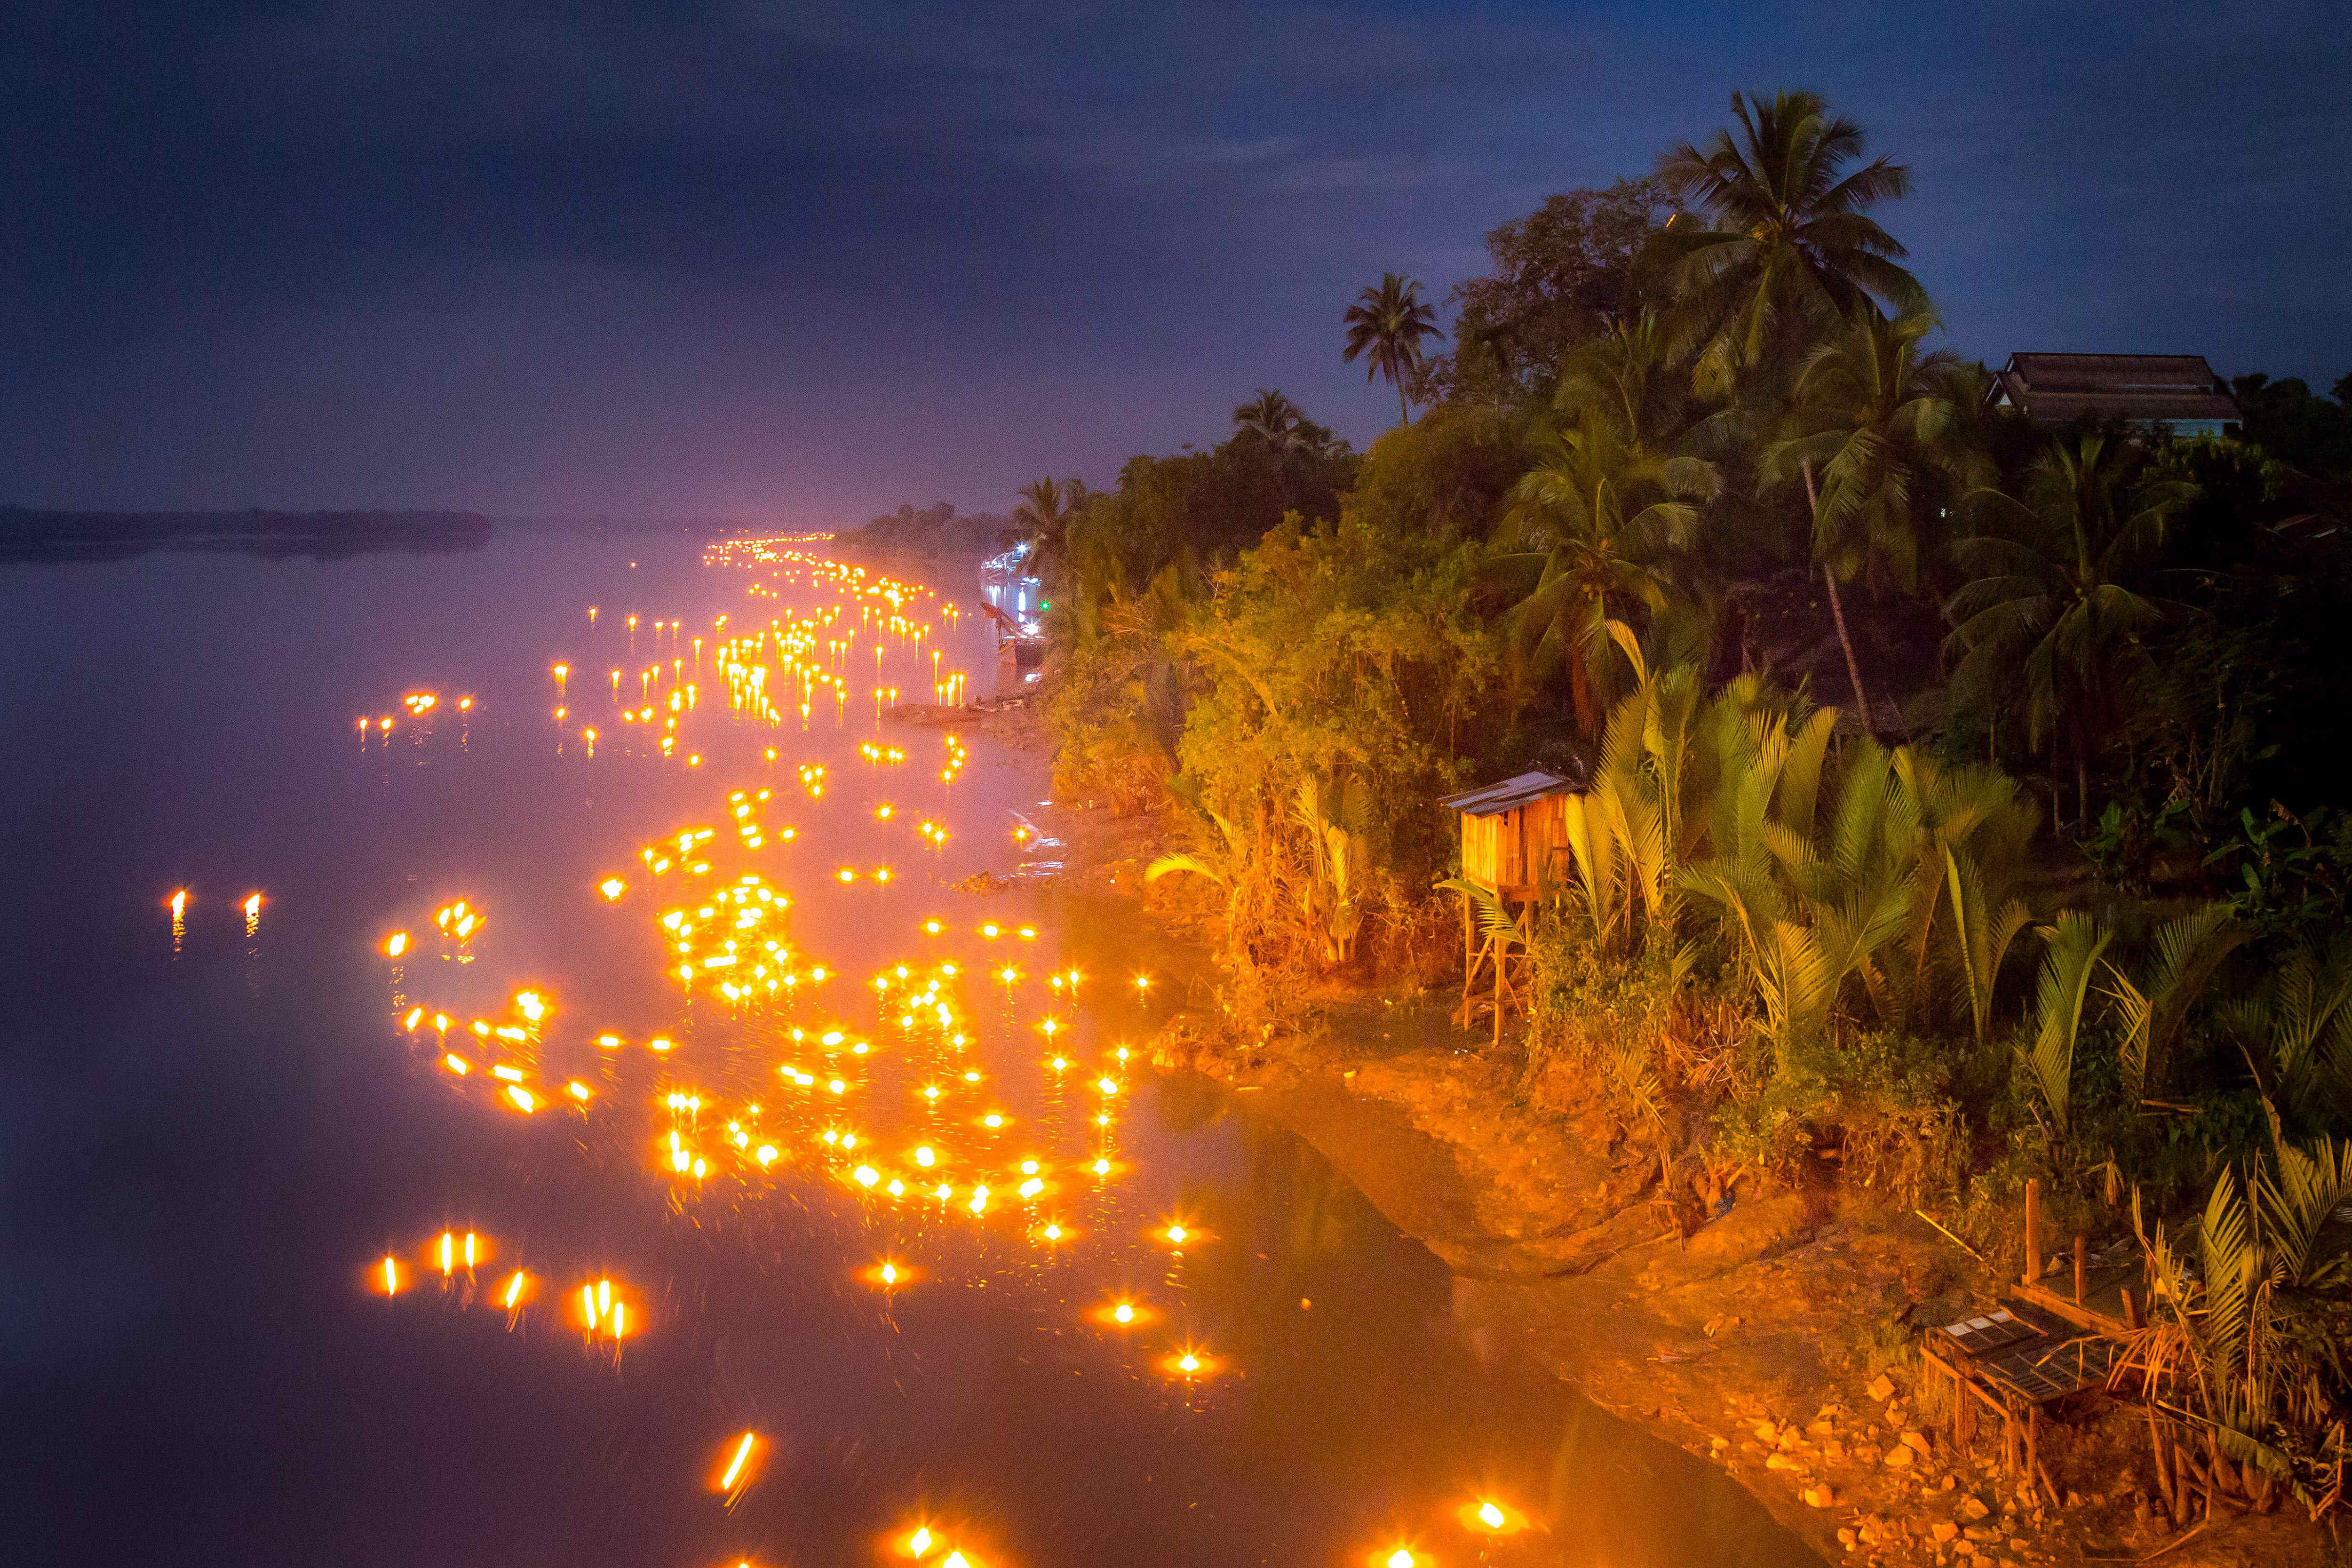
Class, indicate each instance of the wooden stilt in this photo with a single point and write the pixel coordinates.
(1502, 961)
(1469, 958)
(2033, 1229)
(2081, 1259)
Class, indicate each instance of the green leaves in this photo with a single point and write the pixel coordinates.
(2187, 951)
(1869, 416)
(2048, 622)
(2068, 967)
(1788, 246)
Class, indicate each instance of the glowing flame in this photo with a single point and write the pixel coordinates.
(735, 1465)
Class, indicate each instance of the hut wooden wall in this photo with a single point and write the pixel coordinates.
(1519, 847)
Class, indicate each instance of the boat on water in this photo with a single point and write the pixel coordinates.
(1013, 598)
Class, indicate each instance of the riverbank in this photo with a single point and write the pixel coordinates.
(1774, 1340)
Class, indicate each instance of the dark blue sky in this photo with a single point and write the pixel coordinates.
(797, 263)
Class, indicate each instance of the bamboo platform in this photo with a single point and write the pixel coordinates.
(2010, 1363)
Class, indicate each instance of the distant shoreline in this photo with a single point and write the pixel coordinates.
(32, 535)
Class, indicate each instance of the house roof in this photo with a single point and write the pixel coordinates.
(1492, 799)
(2054, 388)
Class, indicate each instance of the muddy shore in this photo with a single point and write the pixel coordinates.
(1771, 1341)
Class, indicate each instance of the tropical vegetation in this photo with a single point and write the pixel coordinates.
(1954, 796)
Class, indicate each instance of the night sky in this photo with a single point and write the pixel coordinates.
(797, 264)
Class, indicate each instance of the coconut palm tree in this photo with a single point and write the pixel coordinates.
(1583, 539)
(1869, 422)
(1389, 323)
(1271, 417)
(1789, 246)
(1045, 513)
(1623, 376)
(2047, 620)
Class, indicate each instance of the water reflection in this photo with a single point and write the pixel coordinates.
(672, 1138)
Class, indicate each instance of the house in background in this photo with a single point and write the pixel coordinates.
(2176, 394)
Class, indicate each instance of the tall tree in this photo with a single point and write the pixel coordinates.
(1043, 513)
(1270, 416)
(1389, 323)
(1574, 267)
(2048, 621)
(1789, 248)
(1624, 376)
(1870, 420)
(1583, 542)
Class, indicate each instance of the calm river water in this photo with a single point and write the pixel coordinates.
(216, 1132)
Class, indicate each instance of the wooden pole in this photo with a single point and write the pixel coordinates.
(1502, 959)
(2033, 1229)
(2079, 1262)
(1469, 958)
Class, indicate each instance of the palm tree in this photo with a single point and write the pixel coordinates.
(2047, 619)
(1581, 536)
(1620, 376)
(1872, 418)
(1045, 513)
(1271, 417)
(1789, 247)
(1389, 323)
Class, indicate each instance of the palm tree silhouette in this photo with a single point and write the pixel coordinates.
(2049, 619)
(1790, 250)
(1872, 417)
(1389, 323)
(1270, 416)
(1044, 512)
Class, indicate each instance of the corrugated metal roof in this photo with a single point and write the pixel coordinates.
(1488, 800)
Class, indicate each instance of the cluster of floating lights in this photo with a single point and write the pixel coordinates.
(727, 936)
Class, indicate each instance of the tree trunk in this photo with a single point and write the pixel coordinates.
(2082, 782)
(1404, 410)
(1837, 613)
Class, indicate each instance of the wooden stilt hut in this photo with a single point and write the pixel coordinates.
(1513, 836)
